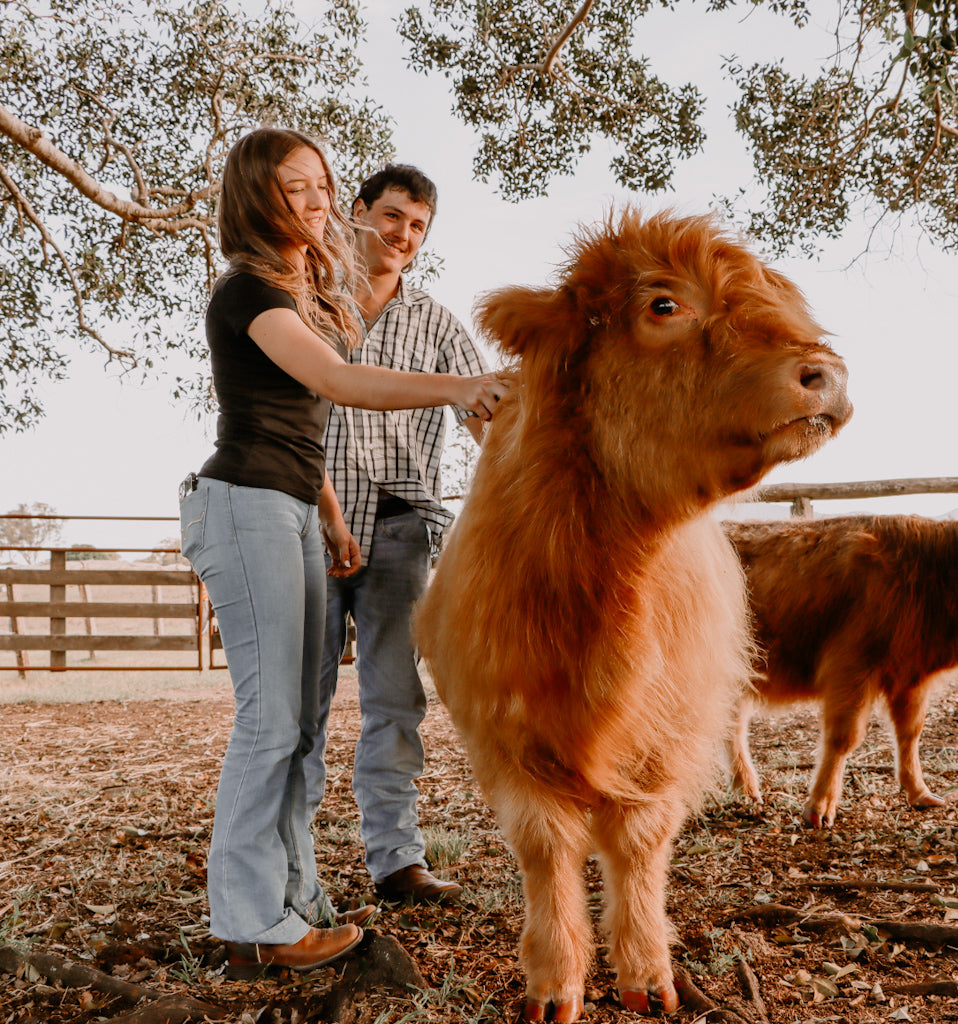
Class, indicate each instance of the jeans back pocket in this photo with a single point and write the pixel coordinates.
(193, 521)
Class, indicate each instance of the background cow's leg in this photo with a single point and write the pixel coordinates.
(550, 836)
(908, 705)
(847, 701)
(635, 843)
(744, 776)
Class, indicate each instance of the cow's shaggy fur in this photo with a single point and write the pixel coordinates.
(586, 625)
(849, 611)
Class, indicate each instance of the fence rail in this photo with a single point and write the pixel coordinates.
(802, 495)
(61, 607)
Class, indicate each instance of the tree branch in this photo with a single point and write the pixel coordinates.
(553, 55)
(141, 192)
(34, 141)
(27, 210)
(546, 66)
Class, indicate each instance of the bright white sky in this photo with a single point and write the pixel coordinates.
(106, 448)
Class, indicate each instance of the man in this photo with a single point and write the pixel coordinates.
(385, 471)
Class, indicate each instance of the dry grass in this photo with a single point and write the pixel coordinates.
(89, 686)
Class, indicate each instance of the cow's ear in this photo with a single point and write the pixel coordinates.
(524, 320)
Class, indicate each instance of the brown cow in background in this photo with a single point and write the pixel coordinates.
(587, 624)
(846, 611)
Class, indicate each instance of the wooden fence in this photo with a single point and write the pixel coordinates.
(68, 590)
(148, 597)
(68, 599)
(802, 495)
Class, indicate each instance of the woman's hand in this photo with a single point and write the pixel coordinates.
(481, 394)
(343, 550)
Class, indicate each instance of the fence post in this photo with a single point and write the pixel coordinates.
(802, 508)
(204, 623)
(15, 630)
(58, 592)
(85, 598)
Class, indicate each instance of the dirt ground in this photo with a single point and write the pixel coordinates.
(105, 816)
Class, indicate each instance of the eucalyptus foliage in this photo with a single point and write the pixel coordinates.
(115, 118)
(874, 126)
(877, 127)
(539, 100)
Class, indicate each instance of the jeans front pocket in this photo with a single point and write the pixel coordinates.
(408, 528)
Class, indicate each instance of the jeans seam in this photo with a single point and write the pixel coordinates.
(298, 852)
(306, 522)
(227, 889)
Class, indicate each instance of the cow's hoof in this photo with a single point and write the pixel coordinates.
(638, 1001)
(815, 818)
(568, 1010)
(565, 1012)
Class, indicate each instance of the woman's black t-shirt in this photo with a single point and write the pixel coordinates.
(270, 427)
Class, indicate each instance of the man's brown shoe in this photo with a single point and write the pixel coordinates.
(415, 883)
(318, 947)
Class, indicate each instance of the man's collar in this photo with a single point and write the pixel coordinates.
(400, 295)
(403, 295)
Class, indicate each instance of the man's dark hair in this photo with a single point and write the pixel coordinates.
(405, 177)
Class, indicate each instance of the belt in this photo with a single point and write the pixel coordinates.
(390, 505)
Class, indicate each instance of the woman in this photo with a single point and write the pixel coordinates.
(255, 519)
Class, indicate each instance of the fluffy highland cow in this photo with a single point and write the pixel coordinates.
(848, 611)
(586, 626)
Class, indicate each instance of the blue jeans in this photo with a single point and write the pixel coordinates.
(389, 752)
(261, 556)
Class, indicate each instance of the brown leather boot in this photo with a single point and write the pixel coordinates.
(415, 883)
(319, 946)
(359, 916)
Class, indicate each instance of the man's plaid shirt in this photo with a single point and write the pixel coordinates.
(399, 451)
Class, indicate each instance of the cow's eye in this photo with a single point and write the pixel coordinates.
(663, 306)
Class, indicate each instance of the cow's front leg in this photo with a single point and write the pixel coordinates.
(551, 839)
(635, 844)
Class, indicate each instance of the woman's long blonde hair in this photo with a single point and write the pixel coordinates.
(256, 228)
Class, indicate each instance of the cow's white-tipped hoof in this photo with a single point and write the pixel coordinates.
(640, 1001)
(564, 1012)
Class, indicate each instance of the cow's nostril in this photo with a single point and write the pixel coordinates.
(812, 378)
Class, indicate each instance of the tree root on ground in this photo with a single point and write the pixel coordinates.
(907, 931)
(379, 963)
(158, 1007)
(694, 999)
(750, 987)
(865, 884)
